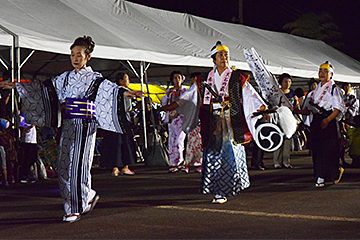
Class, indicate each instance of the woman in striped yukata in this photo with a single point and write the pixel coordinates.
(87, 100)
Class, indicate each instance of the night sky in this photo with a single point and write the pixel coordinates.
(274, 14)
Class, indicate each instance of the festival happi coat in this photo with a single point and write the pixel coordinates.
(327, 97)
(197, 100)
(325, 137)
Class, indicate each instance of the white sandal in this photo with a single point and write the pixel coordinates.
(71, 218)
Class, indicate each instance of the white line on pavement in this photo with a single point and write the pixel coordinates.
(264, 214)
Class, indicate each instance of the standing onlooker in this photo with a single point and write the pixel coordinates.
(257, 156)
(7, 135)
(299, 92)
(327, 106)
(350, 104)
(118, 149)
(3, 166)
(176, 135)
(29, 150)
(312, 84)
(3, 125)
(281, 156)
(193, 148)
(354, 142)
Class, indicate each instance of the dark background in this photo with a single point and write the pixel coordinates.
(274, 14)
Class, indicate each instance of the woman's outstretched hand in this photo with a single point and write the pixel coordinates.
(132, 94)
(7, 85)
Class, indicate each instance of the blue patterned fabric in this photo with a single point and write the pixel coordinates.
(225, 170)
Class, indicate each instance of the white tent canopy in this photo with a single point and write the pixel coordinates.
(126, 31)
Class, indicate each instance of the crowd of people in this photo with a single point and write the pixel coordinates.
(207, 127)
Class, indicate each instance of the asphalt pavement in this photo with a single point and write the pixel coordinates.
(154, 204)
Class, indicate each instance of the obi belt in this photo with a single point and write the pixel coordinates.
(79, 108)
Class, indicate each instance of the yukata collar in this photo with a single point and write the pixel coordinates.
(82, 71)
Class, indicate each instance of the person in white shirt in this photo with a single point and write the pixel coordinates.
(29, 150)
(326, 105)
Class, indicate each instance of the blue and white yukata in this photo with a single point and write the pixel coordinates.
(41, 103)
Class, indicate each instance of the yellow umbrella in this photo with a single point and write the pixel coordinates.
(156, 91)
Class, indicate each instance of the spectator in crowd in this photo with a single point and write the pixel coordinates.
(5, 90)
(3, 181)
(118, 149)
(350, 104)
(299, 92)
(176, 135)
(194, 152)
(281, 156)
(3, 125)
(48, 148)
(149, 110)
(7, 136)
(354, 142)
(257, 157)
(28, 150)
(312, 84)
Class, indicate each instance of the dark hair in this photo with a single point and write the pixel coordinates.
(299, 92)
(173, 73)
(195, 74)
(312, 81)
(214, 55)
(86, 42)
(357, 121)
(6, 75)
(344, 84)
(119, 76)
(283, 76)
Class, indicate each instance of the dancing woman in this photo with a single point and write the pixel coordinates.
(226, 124)
(86, 100)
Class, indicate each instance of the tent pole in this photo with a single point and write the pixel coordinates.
(15, 61)
(27, 58)
(12, 59)
(15, 96)
(3, 63)
(142, 64)
(130, 70)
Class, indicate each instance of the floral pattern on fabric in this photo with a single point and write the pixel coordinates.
(176, 141)
(194, 149)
